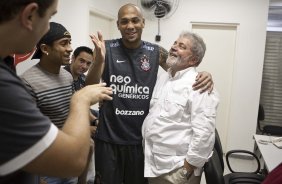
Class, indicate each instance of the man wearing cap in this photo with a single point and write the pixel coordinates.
(49, 84)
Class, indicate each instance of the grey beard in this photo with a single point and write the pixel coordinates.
(172, 61)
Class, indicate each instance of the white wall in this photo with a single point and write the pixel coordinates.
(251, 15)
(74, 15)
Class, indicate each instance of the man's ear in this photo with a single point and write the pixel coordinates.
(196, 60)
(117, 25)
(193, 61)
(72, 59)
(44, 49)
(28, 15)
(143, 21)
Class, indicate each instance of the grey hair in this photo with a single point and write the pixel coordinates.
(198, 47)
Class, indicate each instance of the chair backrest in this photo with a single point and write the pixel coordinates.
(268, 129)
(261, 117)
(218, 148)
(213, 170)
(261, 113)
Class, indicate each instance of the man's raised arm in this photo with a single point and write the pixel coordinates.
(96, 70)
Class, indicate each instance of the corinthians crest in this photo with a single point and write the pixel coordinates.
(145, 63)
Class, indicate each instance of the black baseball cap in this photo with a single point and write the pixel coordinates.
(56, 32)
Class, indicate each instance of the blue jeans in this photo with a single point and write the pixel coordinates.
(54, 180)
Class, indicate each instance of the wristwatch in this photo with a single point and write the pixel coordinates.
(187, 173)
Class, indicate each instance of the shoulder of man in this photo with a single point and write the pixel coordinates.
(67, 68)
(29, 73)
(113, 42)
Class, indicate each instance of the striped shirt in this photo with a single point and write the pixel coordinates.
(52, 92)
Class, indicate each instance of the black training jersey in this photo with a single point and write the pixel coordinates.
(132, 74)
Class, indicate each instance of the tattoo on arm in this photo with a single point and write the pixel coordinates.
(163, 58)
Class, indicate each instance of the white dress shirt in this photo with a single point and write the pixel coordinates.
(180, 124)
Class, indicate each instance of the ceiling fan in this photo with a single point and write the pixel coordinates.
(158, 9)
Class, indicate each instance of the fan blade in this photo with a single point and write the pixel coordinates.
(162, 8)
(147, 4)
(165, 4)
(160, 11)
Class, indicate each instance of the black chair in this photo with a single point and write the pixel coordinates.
(267, 129)
(214, 168)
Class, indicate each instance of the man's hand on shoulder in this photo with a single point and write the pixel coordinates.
(203, 82)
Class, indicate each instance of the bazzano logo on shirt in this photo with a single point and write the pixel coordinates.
(129, 113)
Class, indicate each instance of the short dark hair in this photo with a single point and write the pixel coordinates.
(80, 49)
(9, 8)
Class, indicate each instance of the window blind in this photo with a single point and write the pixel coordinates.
(271, 88)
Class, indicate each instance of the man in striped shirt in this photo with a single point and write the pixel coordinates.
(49, 84)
